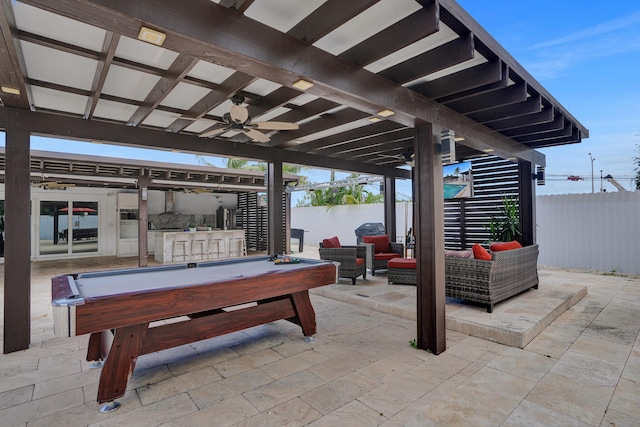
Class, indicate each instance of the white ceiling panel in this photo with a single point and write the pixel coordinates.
(160, 118)
(373, 20)
(221, 109)
(114, 110)
(145, 53)
(271, 114)
(281, 14)
(210, 72)
(127, 83)
(262, 87)
(305, 98)
(56, 27)
(59, 101)
(184, 95)
(200, 125)
(477, 60)
(51, 65)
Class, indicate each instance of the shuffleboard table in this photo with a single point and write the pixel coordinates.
(124, 310)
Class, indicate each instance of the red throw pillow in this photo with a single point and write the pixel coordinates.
(381, 243)
(481, 253)
(331, 243)
(504, 246)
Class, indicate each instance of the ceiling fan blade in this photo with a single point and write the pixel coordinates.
(256, 136)
(275, 125)
(213, 132)
(239, 114)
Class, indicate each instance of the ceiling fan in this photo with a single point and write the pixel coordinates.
(238, 119)
(407, 157)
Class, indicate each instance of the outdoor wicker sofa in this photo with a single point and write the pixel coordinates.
(489, 282)
(352, 260)
(486, 282)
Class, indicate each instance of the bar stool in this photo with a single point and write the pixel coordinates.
(180, 244)
(237, 244)
(200, 243)
(216, 244)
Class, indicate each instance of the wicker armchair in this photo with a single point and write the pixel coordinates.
(382, 250)
(489, 282)
(351, 259)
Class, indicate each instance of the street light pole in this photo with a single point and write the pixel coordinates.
(592, 159)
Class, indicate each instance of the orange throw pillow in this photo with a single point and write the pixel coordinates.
(504, 246)
(481, 253)
(331, 243)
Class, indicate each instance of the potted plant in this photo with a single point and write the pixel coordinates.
(506, 227)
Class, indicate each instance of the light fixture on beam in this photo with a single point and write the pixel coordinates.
(302, 84)
(386, 113)
(151, 36)
(488, 150)
(374, 119)
(11, 90)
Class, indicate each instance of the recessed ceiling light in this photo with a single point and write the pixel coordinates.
(459, 138)
(11, 90)
(374, 119)
(386, 113)
(302, 84)
(488, 150)
(151, 36)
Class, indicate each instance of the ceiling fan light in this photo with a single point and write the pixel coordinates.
(302, 84)
(386, 113)
(151, 36)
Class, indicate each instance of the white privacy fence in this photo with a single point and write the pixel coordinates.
(586, 231)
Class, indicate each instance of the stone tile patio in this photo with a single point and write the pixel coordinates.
(582, 369)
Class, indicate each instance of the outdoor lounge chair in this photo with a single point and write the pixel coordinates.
(382, 251)
(352, 259)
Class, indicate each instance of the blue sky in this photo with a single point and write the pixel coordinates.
(586, 53)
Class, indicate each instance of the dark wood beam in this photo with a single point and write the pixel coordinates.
(530, 106)
(544, 116)
(575, 137)
(447, 55)
(556, 124)
(491, 100)
(327, 18)
(238, 5)
(350, 136)
(567, 130)
(176, 72)
(491, 87)
(12, 66)
(471, 78)
(109, 46)
(409, 30)
(429, 232)
(368, 143)
(68, 127)
(17, 254)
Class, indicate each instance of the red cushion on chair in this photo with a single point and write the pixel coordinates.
(360, 261)
(407, 263)
(331, 243)
(381, 243)
(481, 253)
(505, 246)
(385, 257)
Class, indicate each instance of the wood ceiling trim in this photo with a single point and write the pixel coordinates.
(486, 101)
(544, 116)
(353, 135)
(557, 124)
(12, 65)
(371, 141)
(328, 17)
(409, 30)
(530, 106)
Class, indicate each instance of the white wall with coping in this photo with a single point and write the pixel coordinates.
(584, 231)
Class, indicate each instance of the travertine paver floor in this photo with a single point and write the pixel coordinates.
(582, 370)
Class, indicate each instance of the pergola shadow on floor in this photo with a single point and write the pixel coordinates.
(583, 369)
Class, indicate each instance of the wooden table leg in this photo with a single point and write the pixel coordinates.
(304, 310)
(121, 361)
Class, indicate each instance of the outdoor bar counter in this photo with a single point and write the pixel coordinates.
(231, 244)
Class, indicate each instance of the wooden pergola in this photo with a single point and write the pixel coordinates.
(388, 78)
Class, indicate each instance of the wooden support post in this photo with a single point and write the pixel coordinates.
(527, 202)
(143, 220)
(390, 207)
(429, 209)
(275, 209)
(17, 244)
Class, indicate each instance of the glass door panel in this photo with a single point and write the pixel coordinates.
(54, 228)
(84, 229)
